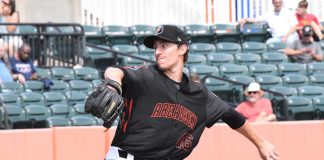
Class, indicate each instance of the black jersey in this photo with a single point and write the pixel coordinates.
(163, 119)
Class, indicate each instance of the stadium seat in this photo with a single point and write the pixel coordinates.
(316, 67)
(226, 33)
(202, 48)
(83, 121)
(43, 72)
(198, 33)
(80, 86)
(247, 58)
(268, 81)
(86, 73)
(116, 34)
(32, 98)
(274, 58)
(124, 48)
(318, 104)
(254, 32)
(60, 110)
(130, 61)
(15, 113)
(59, 86)
(57, 122)
(75, 97)
(60, 73)
(254, 47)
(240, 88)
(78, 110)
(139, 32)
(96, 82)
(300, 108)
(93, 34)
(276, 46)
(295, 80)
(194, 59)
(143, 50)
(52, 98)
(228, 47)
(10, 99)
(37, 112)
(227, 70)
(285, 91)
(203, 70)
(33, 86)
(11, 87)
(288, 68)
(218, 59)
(186, 70)
(261, 69)
(317, 79)
(310, 91)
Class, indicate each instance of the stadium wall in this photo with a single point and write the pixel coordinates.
(298, 140)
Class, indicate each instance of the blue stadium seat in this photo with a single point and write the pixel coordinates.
(75, 97)
(285, 91)
(60, 73)
(226, 33)
(295, 80)
(276, 46)
(247, 58)
(124, 48)
(52, 98)
(318, 103)
(143, 50)
(86, 73)
(11, 87)
(202, 48)
(15, 113)
(130, 61)
(218, 59)
(194, 59)
(317, 79)
(10, 99)
(78, 110)
(274, 58)
(57, 122)
(268, 81)
(300, 108)
(32, 98)
(261, 69)
(80, 86)
(37, 112)
(96, 82)
(254, 32)
(140, 31)
(198, 33)
(43, 72)
(228, 47)
(228, 70)
(116, 34)
(34, 86)
(315, 67)
(59, 86)
(60, 110)
(254, 47)
(288, 68)
(203, 70)
(310, 91)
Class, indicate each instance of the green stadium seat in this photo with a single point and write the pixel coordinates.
(300, 108)
(240, 88)
(317, 79)
(276, 46)
(203, 70)
(11, 87)
(10, 99)
(143, 50)
(32, 98)
(261, 69)
(228, 47)
(75, 97)
(93, 34)
(127, 49)
(226, 33)
(116, 34)
(37, 112)
(86, 73)
(60, 110)
(96, 82)
(202, 48)
(310, 91)
(139, 32)
(59, 86)
(199, 33)
(268, 81)
(228, 70)
(34, 86)
(61, 73)
(194, 59)
(254, 32)
(130, 61)
(15, 113)
(58, 122)
(318, 104)
(247, 58)
(274, 58)
(315, 67)
(222, 89)
(52, 98)
(288, 68)
(286, 91)
(218, 59)
(295, 80)
(83, 121)
(254, 47)
(80, 86)
(78, 110)
(43, 72)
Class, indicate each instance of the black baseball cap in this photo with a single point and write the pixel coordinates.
(169, 33)
(307, 30)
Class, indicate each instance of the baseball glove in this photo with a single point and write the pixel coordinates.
(105, 103)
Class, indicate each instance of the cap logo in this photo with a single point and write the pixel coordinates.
(159, 30)
(179, 39)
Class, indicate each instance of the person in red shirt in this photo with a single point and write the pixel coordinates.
(256, 108)
(305, 18)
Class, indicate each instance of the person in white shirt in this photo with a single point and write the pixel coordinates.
(280, 21)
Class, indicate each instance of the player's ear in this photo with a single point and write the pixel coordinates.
(183, 49)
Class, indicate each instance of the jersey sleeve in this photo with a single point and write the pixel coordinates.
(218, 109)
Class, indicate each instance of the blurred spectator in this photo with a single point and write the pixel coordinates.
(280, 21)
(194, 77)
(305, 18)
(256, 108)
(23, 64)
(8, 15)
(305, 50)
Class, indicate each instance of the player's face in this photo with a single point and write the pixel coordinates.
(277, 4)
(166, 54)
